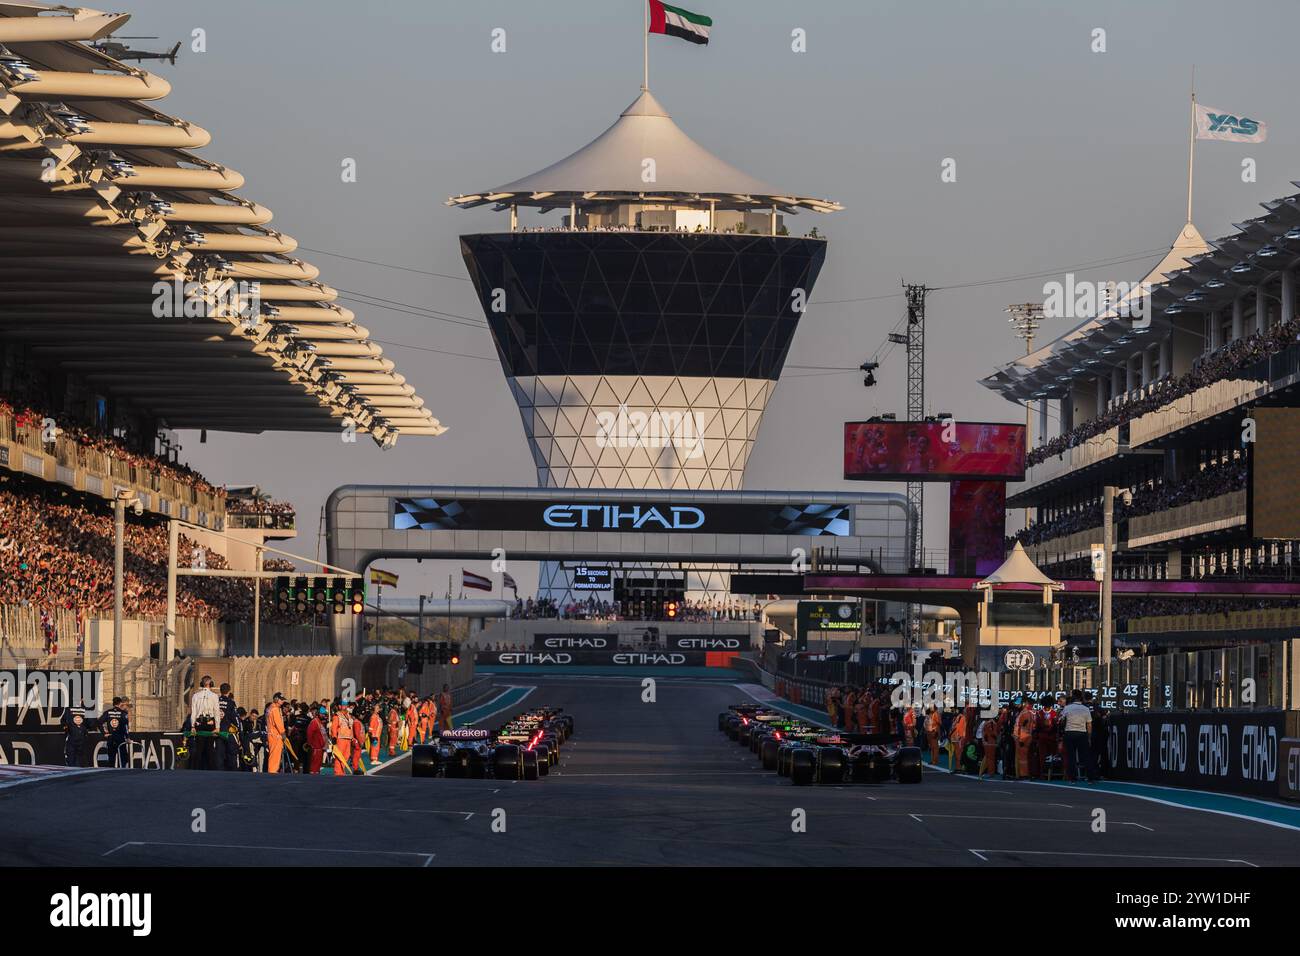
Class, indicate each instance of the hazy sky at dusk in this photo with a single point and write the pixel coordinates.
(1064, 157)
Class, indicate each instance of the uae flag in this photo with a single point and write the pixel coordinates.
(676, 22)
(468, 579)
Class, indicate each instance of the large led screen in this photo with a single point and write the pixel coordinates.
(1274, 506)
(933, 451)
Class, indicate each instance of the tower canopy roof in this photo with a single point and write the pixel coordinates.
(613, 167)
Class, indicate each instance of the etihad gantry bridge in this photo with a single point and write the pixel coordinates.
(128, 262)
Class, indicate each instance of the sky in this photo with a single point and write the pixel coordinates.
(1064, 155)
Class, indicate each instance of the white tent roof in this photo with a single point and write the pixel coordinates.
(1018, 568)
(611, 166)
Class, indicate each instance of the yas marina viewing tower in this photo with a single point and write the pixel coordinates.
(642, 337)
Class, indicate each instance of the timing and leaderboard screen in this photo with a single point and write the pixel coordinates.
(933, 451)
(1274, 463)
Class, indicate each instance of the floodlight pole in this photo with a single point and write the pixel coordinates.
(1025, 319)
(645, 47)
(119, 533)
(169, 629)
(257, 600)
(1108, 542)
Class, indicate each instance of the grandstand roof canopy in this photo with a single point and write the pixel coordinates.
(1110, 338)
(1194, 278)
(127, 259)
(611, 168)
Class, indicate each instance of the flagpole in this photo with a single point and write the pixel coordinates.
(1191, 147)
(645, 46)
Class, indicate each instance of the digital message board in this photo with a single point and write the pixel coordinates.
(592, 579)
(933, 451)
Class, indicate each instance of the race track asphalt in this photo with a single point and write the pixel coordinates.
(639, 784)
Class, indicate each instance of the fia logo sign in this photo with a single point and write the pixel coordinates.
(1019, 659)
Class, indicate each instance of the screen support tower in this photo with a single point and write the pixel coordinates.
(915, 412)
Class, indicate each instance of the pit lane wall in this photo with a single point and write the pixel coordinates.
(33, 702)
(605, 658)
(1202, 750)
(640, 648)
(1254, 752)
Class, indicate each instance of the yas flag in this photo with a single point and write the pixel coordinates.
(1228, 127)
(676, 22)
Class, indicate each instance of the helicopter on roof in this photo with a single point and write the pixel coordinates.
(121, 52)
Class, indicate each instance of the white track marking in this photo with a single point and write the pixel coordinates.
(427, 857)
(1124, 856)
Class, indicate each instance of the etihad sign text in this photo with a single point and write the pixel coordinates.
(617, 518)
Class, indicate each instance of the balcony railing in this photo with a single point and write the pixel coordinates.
(66, 461)
(277, 521)
(1212, 514)
(1097, 448)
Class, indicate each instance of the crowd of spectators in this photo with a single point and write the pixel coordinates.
(694, 230)
(56, 551)
(1077, 610)
(592, 609)
(1218, 365)
(87, 439)
(1209, 482)
(274, 514)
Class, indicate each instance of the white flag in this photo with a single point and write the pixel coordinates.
(1216, 124)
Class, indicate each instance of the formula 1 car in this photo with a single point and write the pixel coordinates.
(764, 730)
(524, 748)
(835, 758)
(808, 754)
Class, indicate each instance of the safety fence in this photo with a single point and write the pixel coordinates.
(31, 448)
(1233, 621)
(1250, 676)
(29, 631)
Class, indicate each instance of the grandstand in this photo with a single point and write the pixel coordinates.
(1194, 411)
(140, 294)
